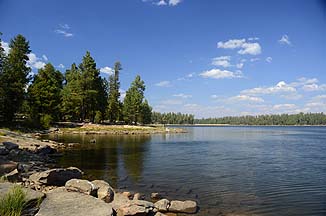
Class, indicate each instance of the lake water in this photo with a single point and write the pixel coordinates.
(243, 170)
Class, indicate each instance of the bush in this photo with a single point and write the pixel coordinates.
(98, 117)
(45, 121)
(13, 202)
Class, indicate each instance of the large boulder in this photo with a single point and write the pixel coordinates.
(162, 205)
(10, 146)
(62, 203)
(105, 192)
(7, 166)
(56, 177)
(82, 186)
(45, 150)
(3, 150)
(183, 206)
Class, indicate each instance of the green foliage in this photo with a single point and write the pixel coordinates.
(114, 105)
(98, 117)
(172, 118)
(44, 95)
(283, 119)
(45, 121)
(146, 116)
(14, 77)
(132, 104)
(13, 202)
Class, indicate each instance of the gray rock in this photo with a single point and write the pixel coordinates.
(132, 210)
(56, 177)
(162, 205)
(63, 203)
(7, 166)
(105, 192)
(82, 186)
(138, 196)
(45, 150)
(183, 206)
(3, 150)
(156, 196)
(10, 145)
(13, 176)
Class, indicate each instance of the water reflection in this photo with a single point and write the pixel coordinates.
(112, 158)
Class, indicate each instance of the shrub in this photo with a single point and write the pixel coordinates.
(45, 121)
(12, 203)
(98, 117)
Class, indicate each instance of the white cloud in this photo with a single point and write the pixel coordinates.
(253, 38)
(35, 62)
(246, 98)
(314, 87)
(61, 66)
(245, 47)
(106, 70)
(163, 84)
(171, 102)
(63, 30)
(220, 74)
(122, 94)
(45, 57)
(6, 47)
(223, 61)
(254, 59)
(161, 3)
(215, 96)
(284, 106)
(181, 95)
(281, 87)
(285, 40)
(240, 65)
(174, 2)
(250, 48)
(231, 44)
(269, 59)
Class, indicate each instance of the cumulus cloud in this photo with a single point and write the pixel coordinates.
(106, 70)
(181, 95)
(163, 84)
(269, 59)
(63, 30)
(246, 98)
(45, 58)
(281, 87)
(164, 2)
(221, 74)
(35, 62)
(284, 106)
(5, 46)
(244, 46)
(285, 40)
(61, 66)
(314, 87)
(174, 2)
(161, 2)
(240, 65)
(223, 61)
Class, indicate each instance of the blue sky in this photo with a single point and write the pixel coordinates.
(208, 57)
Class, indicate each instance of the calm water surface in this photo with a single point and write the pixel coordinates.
(244, 170)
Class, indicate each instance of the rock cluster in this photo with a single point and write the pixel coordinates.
(63, 192)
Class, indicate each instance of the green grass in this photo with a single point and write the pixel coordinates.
(13, 202)
(3, 179)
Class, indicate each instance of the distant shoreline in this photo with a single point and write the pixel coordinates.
(233, 125)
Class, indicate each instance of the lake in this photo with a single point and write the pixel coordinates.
(243, 170)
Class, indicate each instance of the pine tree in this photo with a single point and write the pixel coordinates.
(146, 117)
(71, 95)
(14, 77)
(91, 86)
(114, 104)
(132, 103)
(2, 62)
(44, 94)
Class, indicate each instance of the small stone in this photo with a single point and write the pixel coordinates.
(162, 205)
(183, 206)
(156, 196)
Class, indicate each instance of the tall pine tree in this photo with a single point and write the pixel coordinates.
(132, 110)
(14, 77)
(44, 94)
(2, 62)
(114, 105)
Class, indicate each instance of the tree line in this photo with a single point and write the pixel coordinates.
(80, 94)
(172, 118)
(283, 119)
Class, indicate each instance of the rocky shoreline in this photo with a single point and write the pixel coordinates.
(51, 190)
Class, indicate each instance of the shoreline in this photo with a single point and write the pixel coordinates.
(32, 164)
(232, 125)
